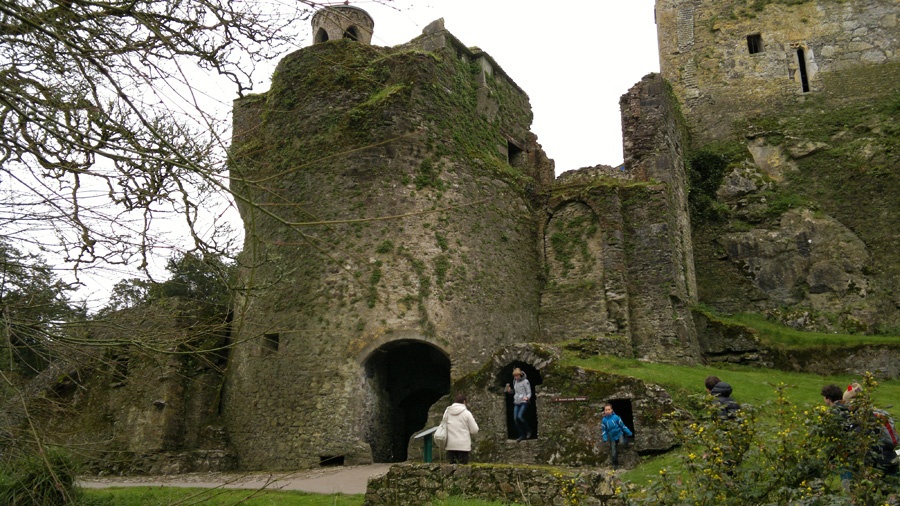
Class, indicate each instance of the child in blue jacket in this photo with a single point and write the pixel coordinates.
(614, 432)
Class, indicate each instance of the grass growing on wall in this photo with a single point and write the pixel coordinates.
(788, 337)
(754, 385)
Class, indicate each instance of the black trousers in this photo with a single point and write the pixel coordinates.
(457, 457)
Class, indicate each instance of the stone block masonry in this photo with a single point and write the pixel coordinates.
(538, 486)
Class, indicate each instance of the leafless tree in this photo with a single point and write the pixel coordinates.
(108, 141)
(105, 137)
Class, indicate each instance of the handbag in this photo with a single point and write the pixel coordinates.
(440, 435)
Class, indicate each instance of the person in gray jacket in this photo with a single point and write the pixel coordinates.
(521, 392)
(461, 427)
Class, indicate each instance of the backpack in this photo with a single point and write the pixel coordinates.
(888, 435)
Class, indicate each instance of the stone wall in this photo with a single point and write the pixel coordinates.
(705, 54)
(617, 241)
(389, 197)
(149, 407)
(564, 417)
(538, 486)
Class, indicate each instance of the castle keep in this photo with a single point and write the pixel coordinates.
(404, 225)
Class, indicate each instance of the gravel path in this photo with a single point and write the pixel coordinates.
(324, 480)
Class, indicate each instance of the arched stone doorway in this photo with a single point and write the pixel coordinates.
(405, 378)
(534, 379)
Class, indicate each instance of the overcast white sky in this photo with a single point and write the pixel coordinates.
(574, 58)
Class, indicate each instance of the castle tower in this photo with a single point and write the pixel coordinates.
(389, 244)
(342, 22)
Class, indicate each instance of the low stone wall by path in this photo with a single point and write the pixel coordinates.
(422, 483)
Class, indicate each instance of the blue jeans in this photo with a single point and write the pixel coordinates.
(614, 449)
(519, 418)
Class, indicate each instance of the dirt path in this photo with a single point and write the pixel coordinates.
(325, 480)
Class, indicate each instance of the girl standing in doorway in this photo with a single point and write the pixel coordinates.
(521, 392)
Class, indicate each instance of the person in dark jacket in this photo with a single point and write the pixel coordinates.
(840, 423)
(881, 454)
(726, 410)
(728, 407)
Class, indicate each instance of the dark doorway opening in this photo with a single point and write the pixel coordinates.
(513, 154)
(321, 36)
(331, 460)
(801, 63)
(622, 407)
(270, 343)
(407, 378)
(534, 379)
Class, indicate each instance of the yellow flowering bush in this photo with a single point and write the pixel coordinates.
(795, 455)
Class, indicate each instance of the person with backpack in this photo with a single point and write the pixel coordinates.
(721, 392)
(882, 454)
(613, 431)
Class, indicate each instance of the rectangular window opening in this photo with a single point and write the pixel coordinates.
(270, 343)
(755, 43)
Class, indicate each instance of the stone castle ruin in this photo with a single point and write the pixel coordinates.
(405, 239)
(367, 321)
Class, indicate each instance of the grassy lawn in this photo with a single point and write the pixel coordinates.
(166, 496)
(160, 496)
(751, 385)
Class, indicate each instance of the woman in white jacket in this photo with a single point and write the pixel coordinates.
(461, 427)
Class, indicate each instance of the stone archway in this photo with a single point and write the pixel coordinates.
(534, 379)
(406, 378)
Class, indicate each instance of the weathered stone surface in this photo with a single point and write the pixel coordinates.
(809, 258)
(727, 343)
(705, 54)
(131, 410)
(565, 415)
(422, 483)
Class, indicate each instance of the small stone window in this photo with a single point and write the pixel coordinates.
(351, 33)
(755, 43)
(270, 343)
(801, 66)
(321, 36)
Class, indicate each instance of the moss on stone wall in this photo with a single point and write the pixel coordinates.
(844, 156)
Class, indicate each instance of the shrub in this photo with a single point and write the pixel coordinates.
(39, 478)
(792, 456)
